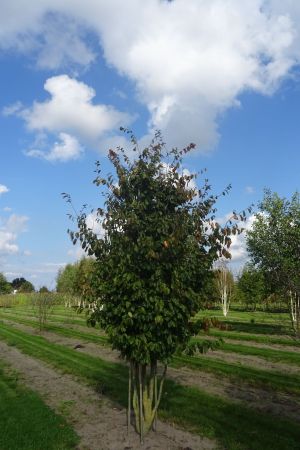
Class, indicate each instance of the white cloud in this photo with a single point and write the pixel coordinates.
(189, 60)
(7, 243)
(71, 115)
(70, 109)
(77, 252)
(3, 189)
(12, 109)
(94, 223)
(9, 231)
(16, 224)
(238, 247)
(7, 209)
(67, 149)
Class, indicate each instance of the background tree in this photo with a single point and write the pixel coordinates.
(5, 286)
(251, 286)
(225, 285)
(26, 287)
(66, 279)
(44, 290)
(160, 242)
(274, 247)
(17, 282)
(75, 282)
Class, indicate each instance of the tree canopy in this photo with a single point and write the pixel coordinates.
(274, 245)
(5, 286)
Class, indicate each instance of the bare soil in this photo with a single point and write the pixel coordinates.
(100, 424)
(269, 401)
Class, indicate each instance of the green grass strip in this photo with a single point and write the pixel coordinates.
(267, 353)
(65, 319)
(234, 371)
(26, 423)
(68, 332)
(235, 426)
(270, 340)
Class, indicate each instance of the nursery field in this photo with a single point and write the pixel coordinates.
(243, 396)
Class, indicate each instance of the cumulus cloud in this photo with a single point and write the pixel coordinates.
(70, 109)
(189, 60)
(71, 116)
(66, 149)
(10, 229)
(3, 189)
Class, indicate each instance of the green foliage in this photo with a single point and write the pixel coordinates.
(274, 246)
(44, 290)
(22, 285)
(76, 279)
(5, 286)
(26, 287)
(66, 279)
(159, 244)
(251, 286)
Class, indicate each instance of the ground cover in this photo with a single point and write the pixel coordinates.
(26, 422)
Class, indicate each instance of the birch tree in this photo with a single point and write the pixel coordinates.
(274, 246)
(225, 285)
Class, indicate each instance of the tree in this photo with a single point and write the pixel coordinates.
(251, 286)
(225, 285)
(26, 287)
(274, 247)
(74, 280)
(5, 286)
(43, 303)
(159, 245)
(66, 279)
(44, 290)
(17, 283)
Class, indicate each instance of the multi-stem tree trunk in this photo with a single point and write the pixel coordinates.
(144, 394)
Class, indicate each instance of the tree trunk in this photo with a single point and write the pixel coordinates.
(146, 395)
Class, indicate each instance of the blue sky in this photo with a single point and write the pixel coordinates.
(224, 75)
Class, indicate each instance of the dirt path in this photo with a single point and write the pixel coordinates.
(99, 423)
(268, 401)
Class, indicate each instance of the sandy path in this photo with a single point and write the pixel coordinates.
(100, 424)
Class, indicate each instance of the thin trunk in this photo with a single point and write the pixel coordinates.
(129, 397)
(141, 404)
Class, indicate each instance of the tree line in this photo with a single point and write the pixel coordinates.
(17, 284)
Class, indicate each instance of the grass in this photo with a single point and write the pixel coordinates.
(238, 373)
(234, 371)
(235, 426)
(26, 423)
(267, 353)
(253, 322)
(270, 340)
